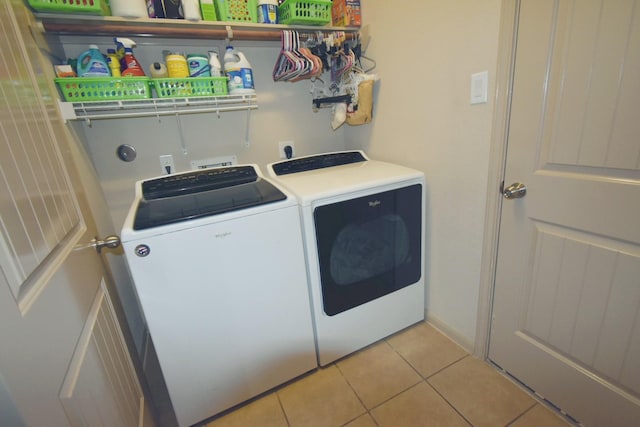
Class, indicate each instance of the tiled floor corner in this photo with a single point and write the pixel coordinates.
(417, 377)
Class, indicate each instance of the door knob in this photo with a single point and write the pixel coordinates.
(110, 242)
(517, 190)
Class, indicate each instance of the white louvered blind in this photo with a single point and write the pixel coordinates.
(39, 216)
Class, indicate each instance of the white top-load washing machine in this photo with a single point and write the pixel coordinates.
(363, 223)
(218, 264)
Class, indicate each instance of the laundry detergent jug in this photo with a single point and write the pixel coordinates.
(239, 71)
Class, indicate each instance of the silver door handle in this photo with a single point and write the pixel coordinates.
(517, 190)
(110, 242)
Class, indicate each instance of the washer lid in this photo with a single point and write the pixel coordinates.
(196, 194)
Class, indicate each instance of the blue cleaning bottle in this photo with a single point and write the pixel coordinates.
(91, 63)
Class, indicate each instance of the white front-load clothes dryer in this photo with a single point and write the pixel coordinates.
(363, 224)
(217, 260)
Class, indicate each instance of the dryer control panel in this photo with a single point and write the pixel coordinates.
(319, 161)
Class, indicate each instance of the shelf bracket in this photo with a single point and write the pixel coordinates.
(247, 143)
(183, 144)
(67, 111)
(86, 115)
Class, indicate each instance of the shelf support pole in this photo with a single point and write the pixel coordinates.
(247, 143)
(183, 144)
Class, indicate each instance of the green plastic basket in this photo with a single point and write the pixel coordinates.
(93, 7)
(190, 87)
(208, 10)
(305, 12)
(237, 10)
(77, 89)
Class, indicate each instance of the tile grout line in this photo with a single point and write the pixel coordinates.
(286, 418)
(422, 379)
(425, 379)
(367, 411)
(448, 366)
(449, 403)
(522, 414)
(402, 357)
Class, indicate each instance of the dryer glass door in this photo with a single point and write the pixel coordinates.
(368, 247)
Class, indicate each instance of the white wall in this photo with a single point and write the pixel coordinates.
(426, 52)
(284, 113)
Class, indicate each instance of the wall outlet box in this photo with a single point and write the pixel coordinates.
(281, 149)
(166, 163)
(213, 162)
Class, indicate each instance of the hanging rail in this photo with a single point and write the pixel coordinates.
(175, 28)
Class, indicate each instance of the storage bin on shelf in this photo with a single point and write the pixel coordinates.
(208, 10)
(305, 12)
(79, 89)
(190, 87)
(92, 7)
(237, 10)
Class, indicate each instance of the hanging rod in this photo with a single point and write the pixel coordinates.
(175, 28)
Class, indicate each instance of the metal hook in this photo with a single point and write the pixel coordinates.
(229, 33)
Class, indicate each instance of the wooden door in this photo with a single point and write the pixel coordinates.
(63, 360)
(566, 316)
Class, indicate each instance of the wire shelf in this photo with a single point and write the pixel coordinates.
(156, 107)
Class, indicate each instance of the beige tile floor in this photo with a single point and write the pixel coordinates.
(417, 377)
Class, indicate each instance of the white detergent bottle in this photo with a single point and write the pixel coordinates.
(191, 10)
(214, 64)
(238, 69)
(128, 8)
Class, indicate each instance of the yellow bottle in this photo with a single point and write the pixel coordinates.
(177, 65)
(114, 63)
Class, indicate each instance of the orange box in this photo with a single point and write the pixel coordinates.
(346, 13)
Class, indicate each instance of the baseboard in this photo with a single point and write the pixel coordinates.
(450, 332)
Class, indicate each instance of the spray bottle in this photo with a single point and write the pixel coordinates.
(214, 64)
(130, 65)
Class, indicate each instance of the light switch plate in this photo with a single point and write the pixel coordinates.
(479, 87)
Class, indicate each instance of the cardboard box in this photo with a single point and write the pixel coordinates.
(346, 13)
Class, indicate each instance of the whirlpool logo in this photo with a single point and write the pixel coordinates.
(223, 235)
(374, 203)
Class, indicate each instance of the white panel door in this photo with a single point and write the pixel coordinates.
(62, 356)
(566, 318)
